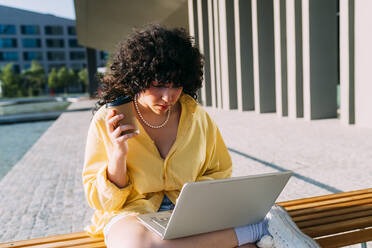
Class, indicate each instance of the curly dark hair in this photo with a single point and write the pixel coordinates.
(154, 53)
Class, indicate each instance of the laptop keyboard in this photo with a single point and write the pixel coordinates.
(161, 221)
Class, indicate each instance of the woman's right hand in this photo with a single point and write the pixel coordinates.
(115, 133)
(117, 169)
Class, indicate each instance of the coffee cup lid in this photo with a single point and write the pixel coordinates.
(119, 101)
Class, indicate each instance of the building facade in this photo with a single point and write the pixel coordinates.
(50, 40)
(286, 56)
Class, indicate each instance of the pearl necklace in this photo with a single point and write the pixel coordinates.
(144, 121)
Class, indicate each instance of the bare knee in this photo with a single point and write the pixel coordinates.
(129, 232)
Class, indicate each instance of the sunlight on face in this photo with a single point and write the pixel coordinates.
(160, 97)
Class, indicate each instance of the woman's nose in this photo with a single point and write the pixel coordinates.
(167, 95)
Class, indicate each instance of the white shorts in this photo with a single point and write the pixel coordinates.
(165, 205)
(115, 219)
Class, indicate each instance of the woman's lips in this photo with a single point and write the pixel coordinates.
(164, 107)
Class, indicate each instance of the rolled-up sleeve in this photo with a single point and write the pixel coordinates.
(100, 192)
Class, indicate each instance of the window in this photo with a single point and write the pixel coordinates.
(55, 56)
(31, 43)
(73, 43)
(103, 55)
(71, 30)
(8, 56)
(32, 56)
(28, 66)
(8, 43)
(7, 29)
(30, 29)
(53, 30)
(55, 43)
(77, 55)
(16, 68)
(76, 66)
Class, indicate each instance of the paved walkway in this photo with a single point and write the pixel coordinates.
(43, 194)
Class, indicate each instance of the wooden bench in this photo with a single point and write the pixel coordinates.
(332, 220)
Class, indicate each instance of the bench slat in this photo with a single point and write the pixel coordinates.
(78, 243)
(328, 202)
(95, 245)
(331, 207)
(45, 240)
(64, 244)
(70, 243)
(345, 239)
(338, 227)
(333, 219)
(332, 212)
(324, 197)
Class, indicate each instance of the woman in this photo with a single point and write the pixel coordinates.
(126, 175)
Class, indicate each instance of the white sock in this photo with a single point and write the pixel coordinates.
(251, 233)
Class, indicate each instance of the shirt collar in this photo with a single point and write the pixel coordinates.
(188, 102)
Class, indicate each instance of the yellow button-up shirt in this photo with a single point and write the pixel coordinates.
(198, 153)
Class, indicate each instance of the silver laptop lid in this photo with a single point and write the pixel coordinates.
(220, 204)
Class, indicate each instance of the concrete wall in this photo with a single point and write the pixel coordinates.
(320, 58)
(347, 62)
(101, 24)
(281, 75)
(263, 46)
(244, 54)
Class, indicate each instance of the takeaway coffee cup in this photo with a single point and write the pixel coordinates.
(123, 105)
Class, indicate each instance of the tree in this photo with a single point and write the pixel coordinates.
(34, 78)
(63, 78)
(53, 79)
(83, 78)
(73, 81)
(1, 87)
(10, 82)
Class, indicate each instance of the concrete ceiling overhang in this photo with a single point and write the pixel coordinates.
(102, 24)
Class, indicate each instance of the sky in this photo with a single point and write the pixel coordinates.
(61, 8)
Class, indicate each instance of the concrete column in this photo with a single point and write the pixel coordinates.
(363, 55)
(280, 42)
(347, 63)
(320, 63)
(244, 54)
(203, 34)
(212, 59)
(217, 53)
(194, 32)
(227, 49)
(294, 58)
(92, 71)
(263, 55)
(193, 20)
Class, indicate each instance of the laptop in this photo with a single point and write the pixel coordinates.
(213, 205)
